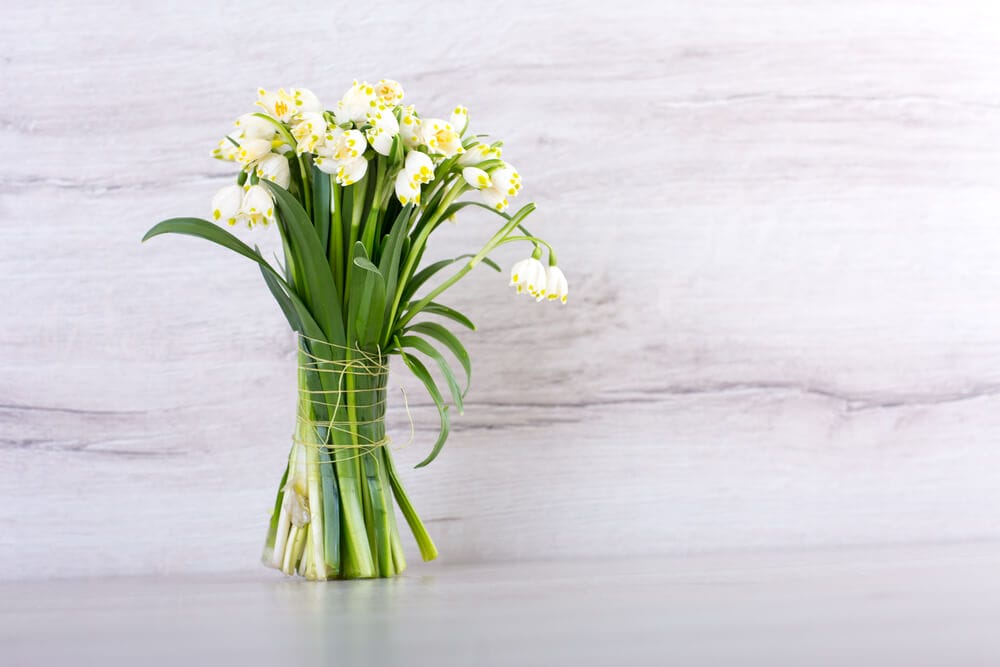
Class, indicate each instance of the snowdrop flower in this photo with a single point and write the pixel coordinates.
(440, 137)
(407, 190)
(384, 129)
(309, 131)
(252, 150)
(477, 178)
(409, 127)
(254, 127)
(528, 275)
(226, 149)
(478, 152)
(343, 154)
(226, 204)
(356, 104)
(460, 119)
(274, 168)
(284, 106)
(257, 207)
(389, 92)
(419, 167)
(555, 284)
(506, 182)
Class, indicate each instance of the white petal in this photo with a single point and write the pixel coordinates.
(407, 190)
(352, 170)
(494, 199)
(252, 150)
(275, 168)
(389, 92)
(476, 177)
(419, 167)
(254, 127)
(460, 119)
(306, 101)
(226, 204)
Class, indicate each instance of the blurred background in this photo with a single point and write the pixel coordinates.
(779, 221)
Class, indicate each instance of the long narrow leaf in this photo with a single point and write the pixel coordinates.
(421, 373)
(320, 291)
(442, 334)
(435, 308)
(420, 345)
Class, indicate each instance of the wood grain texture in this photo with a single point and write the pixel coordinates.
(779, 221)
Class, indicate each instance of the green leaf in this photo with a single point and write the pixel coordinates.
(442, 334)
(367, 299)
(435, 308)
(310, 259)
(282, 291)
(425, 274)
(420, 345)
(331, 511)
(421, 373)
(321, 205)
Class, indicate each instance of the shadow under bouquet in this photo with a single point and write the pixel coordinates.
(355, 192)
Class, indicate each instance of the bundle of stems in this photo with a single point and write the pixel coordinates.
(354, 194)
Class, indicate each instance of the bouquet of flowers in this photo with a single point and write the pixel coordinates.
(355, 192)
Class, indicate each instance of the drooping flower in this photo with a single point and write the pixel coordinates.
(257, 207)
(342, 153)
(506, 183)
(389, 92)
(226, 149)
(254, 127)
(284, 106)
(384, 129)
(477, 153)
(409, 127)
(556, 286)
(460, 119)
(407, 190)
(419, 167)
(274, 168)
(252, 150)
(309, 131)
(528, 275)
(440, 137)
(356, 104)
(226, 204)
(477, 178)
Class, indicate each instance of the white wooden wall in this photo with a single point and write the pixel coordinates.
(780, 219)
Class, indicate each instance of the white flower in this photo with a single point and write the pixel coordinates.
(440, 137)
(506, 182)
(351, 171)
(252, 126)
(417, 170)
(528, 275)
(460, 119)
(284, 106)
(477, 178)
(384, 129)
(389, 92)
(342, 154)
(309, 131)
(356, 104)
(419, 167)
(257, 207)
(407, 190)
(252, 150)
(306, 101)
(556, 286)
(274, 168)
(478, 152)
(226, 149)
(226, 204)
(409, 127)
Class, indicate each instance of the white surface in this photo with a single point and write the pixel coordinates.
(780, 221)
(913, 607)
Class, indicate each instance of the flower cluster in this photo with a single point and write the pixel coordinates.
(369, 130)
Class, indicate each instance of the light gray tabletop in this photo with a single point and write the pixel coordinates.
(908, 606)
